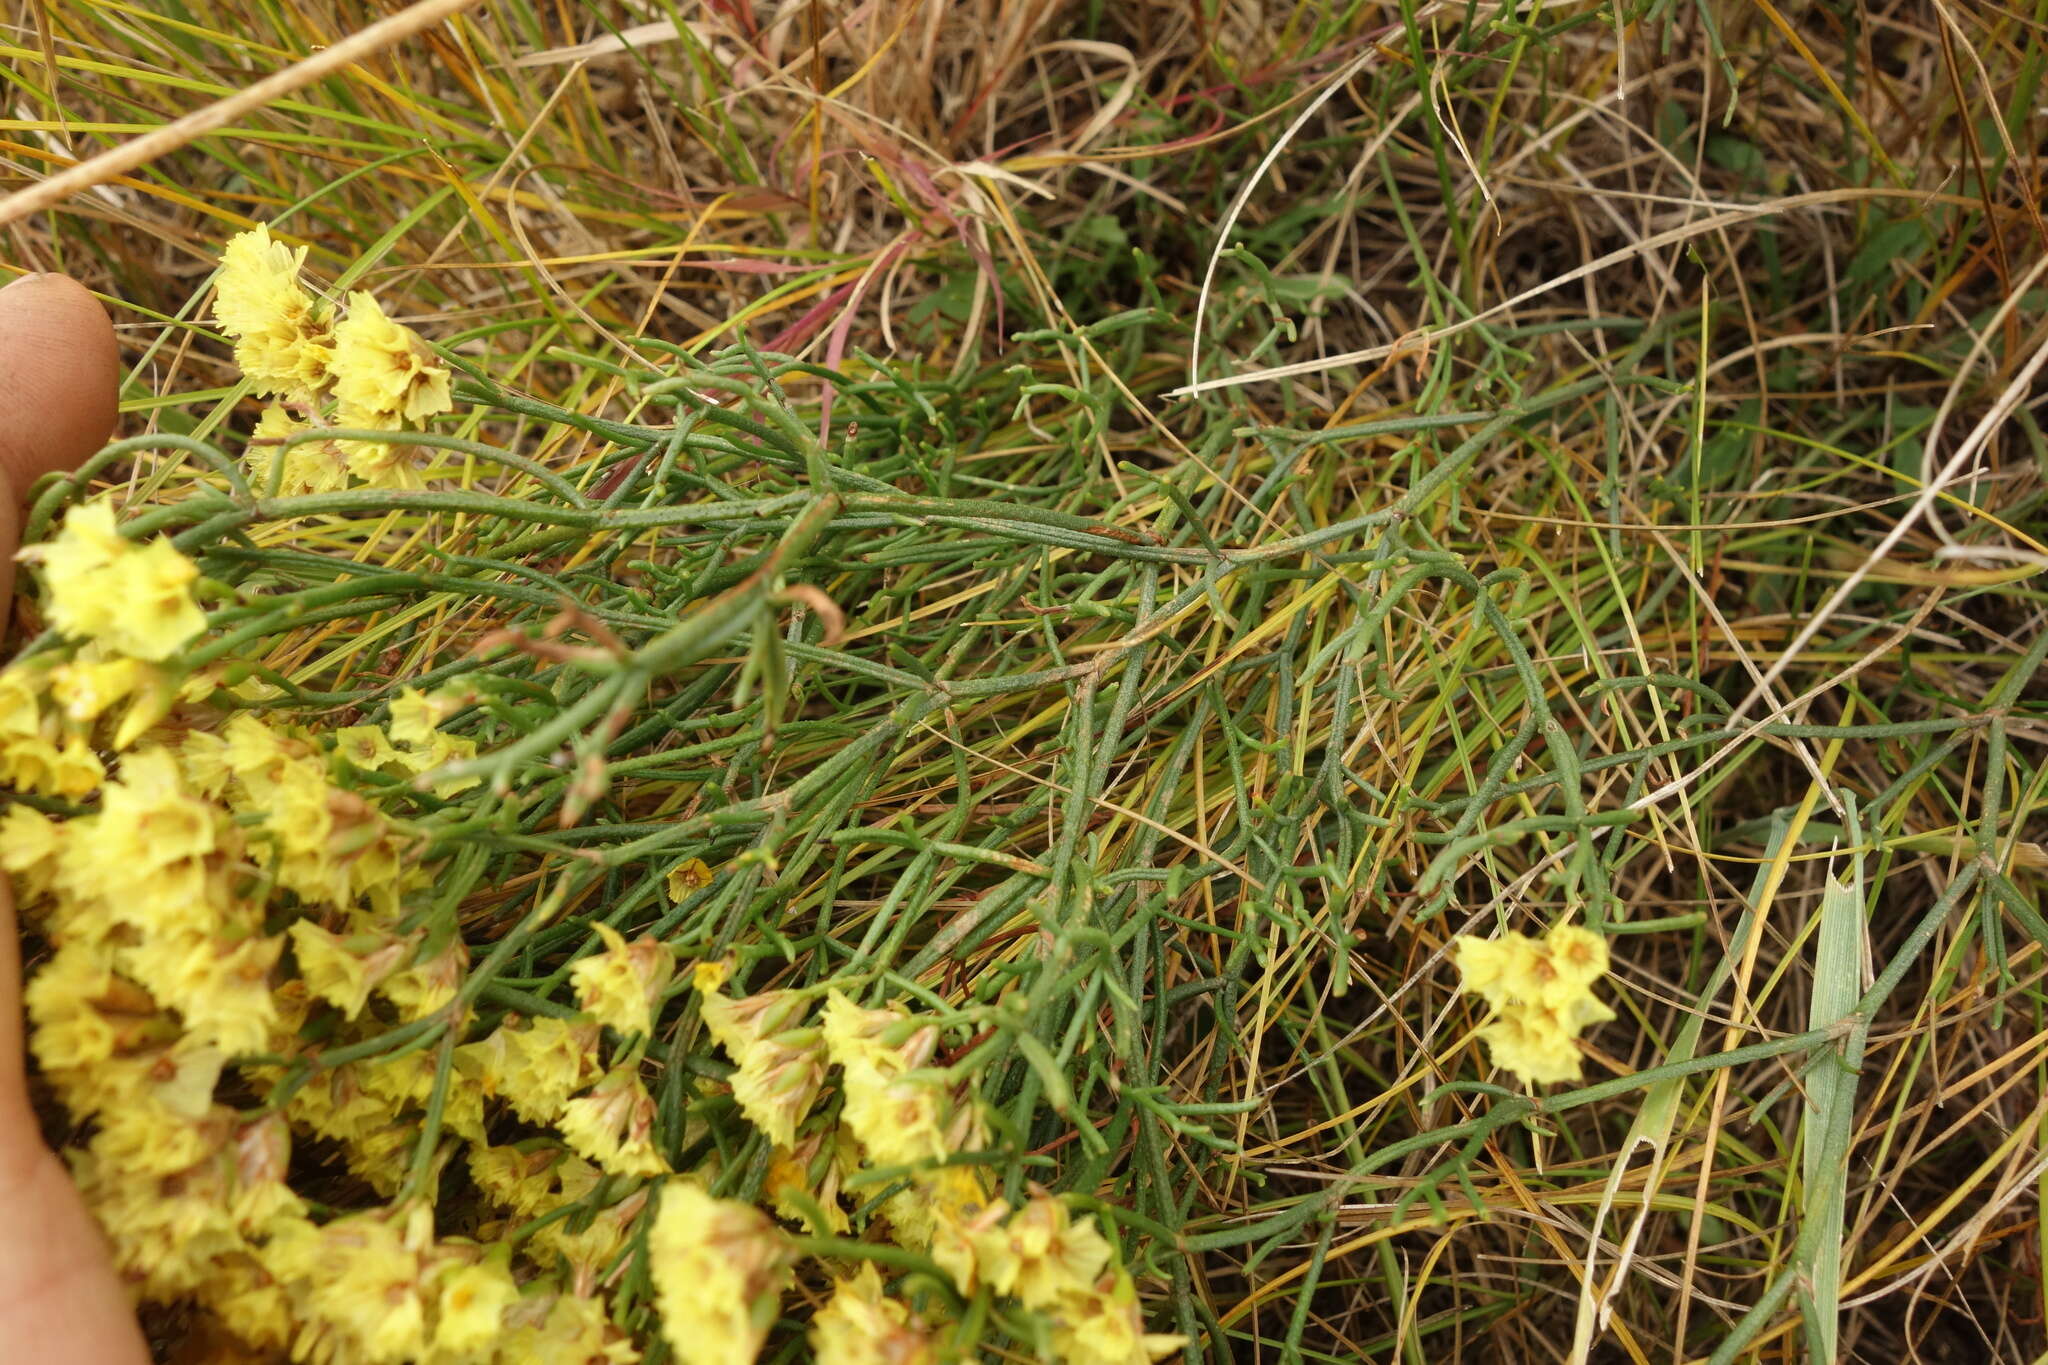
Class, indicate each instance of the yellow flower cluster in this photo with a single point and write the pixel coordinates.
(157, 903)
(135, 600)
(902, 1114)
(779, 1065)
(1541, 992)
(905, 1115)
(378, 372)
(161, 900)
(279, 330)
(535, 1180)
(534, 1067)
(720, 1267)
(613, 1125)
(1058, 1265)
(622, 986)
(860, 1325)
(228, 919)
(42, 748)
(383, 373)
(805, 1182)
(373, 1287)
(164, 972)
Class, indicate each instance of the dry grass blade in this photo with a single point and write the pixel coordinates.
(119, 161)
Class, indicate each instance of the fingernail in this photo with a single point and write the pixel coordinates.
(23, 278)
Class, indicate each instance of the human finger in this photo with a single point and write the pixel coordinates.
(60, 374)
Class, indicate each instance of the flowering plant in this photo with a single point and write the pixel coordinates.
(427, 968)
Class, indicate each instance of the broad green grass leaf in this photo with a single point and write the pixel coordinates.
(1830, 1117)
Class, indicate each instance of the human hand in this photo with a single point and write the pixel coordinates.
(60, 1301)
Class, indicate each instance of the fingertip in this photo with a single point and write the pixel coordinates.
(60, 374)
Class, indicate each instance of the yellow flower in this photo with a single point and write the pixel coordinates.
(150, 705)
(309, 467)
(415, 720)
(522, 1181)
(439, 752)
(135, 600)
(611, 1125)
(1105, 1326)
(175, 1195)
(622, 986)
(166, 1231)
(294, 1010)
(358, 1285)
(182, 1076)
(280, 343)
(86, 687)
(148, 854)
(941, 1211)
(249, 751)
(331, 845)
(384, 374)
(35, 764)
(338, 972)
(780, 1068)
(26, 732)
(562, 1329)
(382, 464)
(259, 1158)
(22, 683)
(415, 715)
(776, 1081)
(87, 543)
(83, 1012)
(366, 747)
(1542, 994)
(156, 1129)
(1040, 1255)
(150, 814)
(336, 1105)
(686, 878)
(883, 1040)
(900, 1121)
(299, 814)
(862, 1326)
(31, 850)
(429, 984)
(219, 987)
(1516, 969)
(902, 1116)
(249, 1302)
(590, 1250)
(789, 1175)
(536, 1068)
(719, 1268)
(94, 686)
(73, 770)
(258, 279)
(1533, 1043)
(370, 1110)
(472, 1307)
(262, 452)
(1577, 956)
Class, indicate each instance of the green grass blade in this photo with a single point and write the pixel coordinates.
(1830, 1117)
